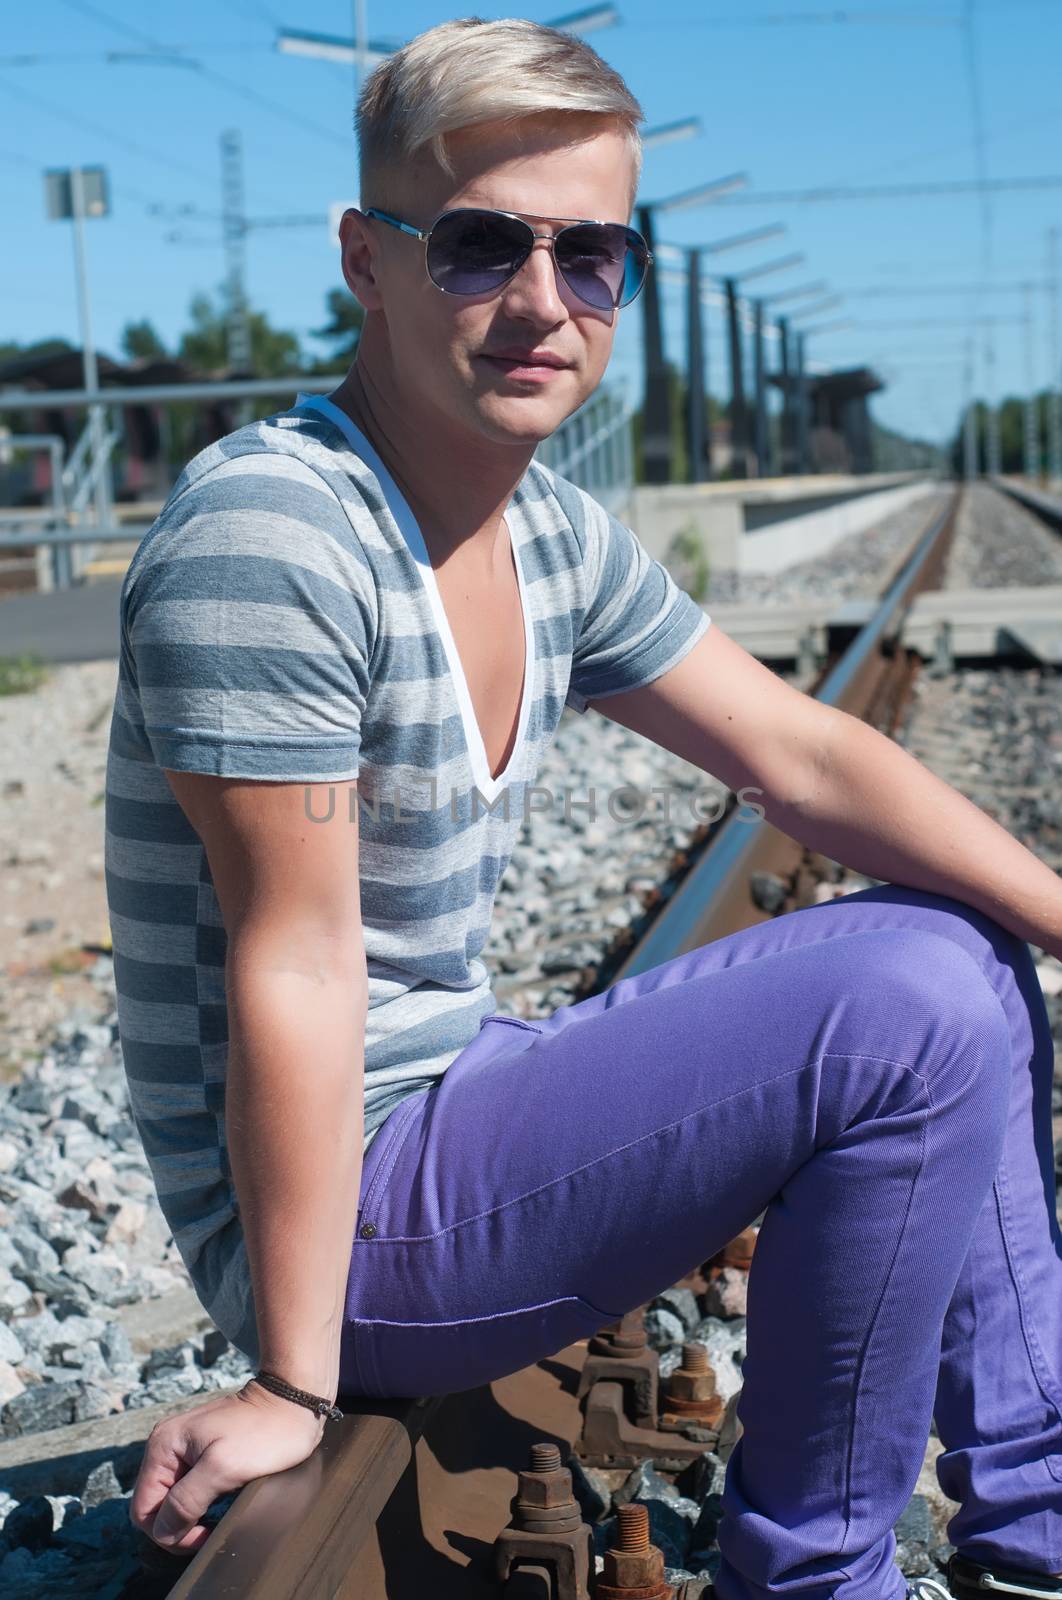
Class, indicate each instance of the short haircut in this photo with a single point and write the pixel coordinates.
(470, 71)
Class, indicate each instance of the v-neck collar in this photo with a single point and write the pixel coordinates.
(490, 787)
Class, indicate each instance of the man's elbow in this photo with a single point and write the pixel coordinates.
(320, 955)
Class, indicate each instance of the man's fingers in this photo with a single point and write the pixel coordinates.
(189, 1498)
(181, 1509)
(163, 1463)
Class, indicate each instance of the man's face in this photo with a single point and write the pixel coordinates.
(442, 348)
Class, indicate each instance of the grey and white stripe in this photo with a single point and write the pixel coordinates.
(280, 620)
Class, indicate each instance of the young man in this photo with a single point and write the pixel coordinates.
(380, 1186)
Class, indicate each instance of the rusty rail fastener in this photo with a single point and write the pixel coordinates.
(621, 1353)
(547, 1527)
(618, 1392)
(690, 1391)
(634, 1568)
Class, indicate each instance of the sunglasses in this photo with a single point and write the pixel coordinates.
(474, 251)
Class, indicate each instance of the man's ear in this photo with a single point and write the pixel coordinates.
(360, 257)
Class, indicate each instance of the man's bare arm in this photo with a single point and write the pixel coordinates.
(297, 995)
(724, 711)
(839, 786)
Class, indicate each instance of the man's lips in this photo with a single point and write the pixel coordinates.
(525, 358)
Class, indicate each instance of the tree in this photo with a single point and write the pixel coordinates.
(11, 350)
(140, 342)
(274, 351)
(1011, 433)
(346, 318)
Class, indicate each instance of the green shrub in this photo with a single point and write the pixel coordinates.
(687, 561)
(21, 674)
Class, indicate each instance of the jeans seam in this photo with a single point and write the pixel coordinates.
(466, 1322)
(381, 1177)
(498, 1316)
(845, 1055)
(370, 1351)
(861, 1363)
(356, 1354)
(1032, 1344)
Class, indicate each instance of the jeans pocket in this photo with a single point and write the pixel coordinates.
(417, 1358)
(391, 1138)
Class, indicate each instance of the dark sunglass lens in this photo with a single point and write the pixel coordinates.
(636, 266)
(599, 264)
(473, 252)
(591, 257)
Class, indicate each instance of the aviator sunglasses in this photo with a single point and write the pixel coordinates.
(474, 251)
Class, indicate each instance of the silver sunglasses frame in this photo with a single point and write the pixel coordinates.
(424, 235)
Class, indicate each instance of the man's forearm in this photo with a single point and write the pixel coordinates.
(871, 805)
(294, 1125)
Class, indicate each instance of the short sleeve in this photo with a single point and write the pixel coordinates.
(637, 624)
(249, 615)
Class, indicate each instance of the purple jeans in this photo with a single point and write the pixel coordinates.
(875, 1074)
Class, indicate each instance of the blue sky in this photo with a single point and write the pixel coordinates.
(792, 99)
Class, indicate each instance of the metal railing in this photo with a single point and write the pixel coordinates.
(81, 504)
(593, 448)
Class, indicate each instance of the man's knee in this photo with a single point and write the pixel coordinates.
(942, 991)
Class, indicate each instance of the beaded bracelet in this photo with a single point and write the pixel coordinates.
(323, 1408)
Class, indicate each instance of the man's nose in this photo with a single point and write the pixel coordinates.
(536, 287)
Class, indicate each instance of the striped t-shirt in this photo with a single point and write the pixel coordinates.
(281, 620)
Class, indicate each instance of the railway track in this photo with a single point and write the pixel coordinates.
(409, 1498)
(498, 1491)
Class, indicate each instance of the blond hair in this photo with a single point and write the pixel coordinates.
(470, 71)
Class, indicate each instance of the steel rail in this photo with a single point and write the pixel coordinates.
(715, 897)
(1047, 507)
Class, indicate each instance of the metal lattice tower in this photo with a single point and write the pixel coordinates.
(234, 235)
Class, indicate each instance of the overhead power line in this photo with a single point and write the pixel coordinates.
(883, 291)
(813, 19)
(85, 8)
(892, 191)
(172, 57)
(135, 147)
(946, 322)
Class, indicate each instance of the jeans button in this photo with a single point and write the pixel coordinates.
(368, 1230)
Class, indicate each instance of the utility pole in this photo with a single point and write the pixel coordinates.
(361, 42)
(788, 422)
(699, 443)
(656, 407)
(72, 194)
(738, 426)
(970, 464)
(992, 456)
(656, 404)
(90, 366)
(1031, 409)
(1054, 393)
(802, 419)
(763, 465)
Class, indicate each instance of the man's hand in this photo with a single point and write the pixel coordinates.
(192, 1460)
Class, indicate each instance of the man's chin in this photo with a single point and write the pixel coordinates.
(524, 419)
